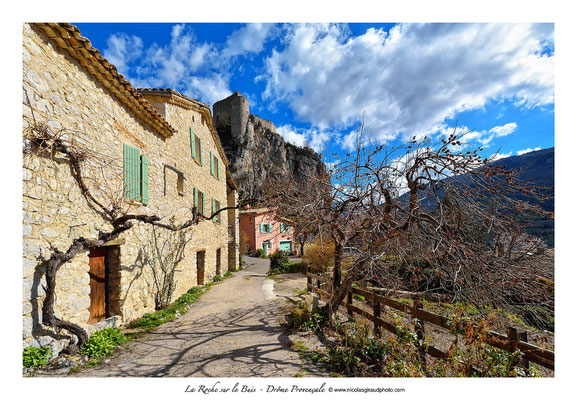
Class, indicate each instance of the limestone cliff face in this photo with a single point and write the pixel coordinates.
(255, 150)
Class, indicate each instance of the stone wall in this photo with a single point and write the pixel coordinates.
(73, 104)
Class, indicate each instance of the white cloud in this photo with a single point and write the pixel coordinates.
(313, 138)
(249, 39)
(122, 49)
(504, 130)
(498, 156)
(289, 134)
(409, 80)
(521, 152)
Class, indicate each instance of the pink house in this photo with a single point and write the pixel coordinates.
(265, 230)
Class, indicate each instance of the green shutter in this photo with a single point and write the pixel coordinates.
(200, 150)
(144, 179)
(211, 164)
(192, 144)
(213, 209)
(131, 172)
(201, 199)
(217, 169)
(262, 228)
(196, 198)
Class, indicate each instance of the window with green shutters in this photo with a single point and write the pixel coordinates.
(285, 228)
(215, 208)
(265, 228)
(195, 147)
(214, 166)
(135, 175)
(199, 201)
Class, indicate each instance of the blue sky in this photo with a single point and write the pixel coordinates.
(315, 81)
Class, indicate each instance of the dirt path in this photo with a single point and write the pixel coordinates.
(233, 330)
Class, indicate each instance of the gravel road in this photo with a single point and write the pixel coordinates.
(233, 330)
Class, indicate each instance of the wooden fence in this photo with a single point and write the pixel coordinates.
(513, 341)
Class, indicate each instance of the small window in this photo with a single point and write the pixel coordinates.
(180, 184)
(195, 147)
(199, 201)
(214, 166)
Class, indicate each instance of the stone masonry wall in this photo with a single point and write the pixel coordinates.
(65, 97)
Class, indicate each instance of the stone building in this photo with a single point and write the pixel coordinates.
(147, 151)
(265, 230)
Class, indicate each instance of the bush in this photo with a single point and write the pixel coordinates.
(34, 357)
(102, 343)
(281, 264)
(320, 257)
(217, 278)
(301, 319)
(227, 274)
(279, 261)
(260, 253)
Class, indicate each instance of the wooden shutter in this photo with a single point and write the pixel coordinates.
(131, 173)
(217, 169)
(218, 208)
(144, 179)
(200, 151)
(211, 164)
(262, 228)
(192, 143)
(196, 198)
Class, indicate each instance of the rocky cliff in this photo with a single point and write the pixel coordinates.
(255, 150)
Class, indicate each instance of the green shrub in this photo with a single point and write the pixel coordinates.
(280, 264)
(217, 278)
(170, 313)
(279, 261)
(34, 357)
(103, 343)
(260, 253)
(227, 274)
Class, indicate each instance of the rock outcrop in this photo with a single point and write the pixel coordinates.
(255, 150)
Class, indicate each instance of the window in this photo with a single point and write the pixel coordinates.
(135, 175)
(215, 208)
(285, 228)
(180, 184)
(265, 228)
(214, 166)
(195, 147)
(199, 201)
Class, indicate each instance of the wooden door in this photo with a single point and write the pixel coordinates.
(218, 261)
(200, 268)
(97, 260)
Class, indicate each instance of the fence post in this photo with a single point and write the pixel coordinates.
(514, 337)
(524, 362)
(349, 302)
(419, 329)
(377, 314)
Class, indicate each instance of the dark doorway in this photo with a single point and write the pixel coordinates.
(200, 256)
(98, 262)
(218, 261)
